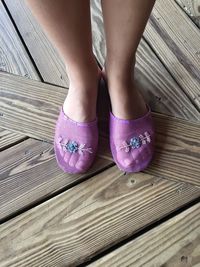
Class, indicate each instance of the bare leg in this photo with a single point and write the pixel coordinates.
(67, 24)
(124, 25)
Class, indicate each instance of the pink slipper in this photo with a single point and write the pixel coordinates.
(75, 144)
(132, 142)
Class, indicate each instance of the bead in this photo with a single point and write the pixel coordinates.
(71, 146)
(135, 142)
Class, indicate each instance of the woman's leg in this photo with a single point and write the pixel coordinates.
(67, 24)
(124, 25)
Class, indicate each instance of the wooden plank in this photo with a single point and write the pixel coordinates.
(13, 59)
(173, 243)
(13, 56)
(157, 86)
(42, 51)
(90, 217)
(175, 39)
(192, 8)
(177, 145)
(24, 102)
(29, 173)
(7, 138)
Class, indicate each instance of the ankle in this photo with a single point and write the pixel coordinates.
(83, 77)
(118, 84)
(119, 78)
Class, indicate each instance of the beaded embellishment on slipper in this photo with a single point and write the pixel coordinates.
(136, 142)
(73, 147)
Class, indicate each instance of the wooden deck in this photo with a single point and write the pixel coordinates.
(104, 217)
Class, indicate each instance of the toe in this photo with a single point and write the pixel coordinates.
(62, 153)
(138, 154)
(145, 153)
(67, 157)
(80, 165)
(122, 157)
(83, 162)
(73, 159)
(128, 162)
(142, 157)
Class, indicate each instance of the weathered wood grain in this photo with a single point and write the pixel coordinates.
(158, 87)
(13, 56)
(177, 146)
(13, 59)
(7, 138)
(192, 8)
(34, 111)
(173, 243)
(24, 102)
(29, 173)
(175, 39)
(90, 217)
(49, 63)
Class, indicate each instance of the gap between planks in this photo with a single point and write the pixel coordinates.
(85, 219)
(175, 242)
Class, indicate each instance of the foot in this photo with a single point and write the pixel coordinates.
(80, 103)
(132, 142)
(132, 131)
(76, 133)
(75, 144)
